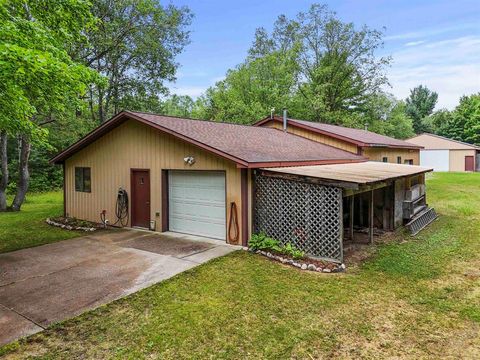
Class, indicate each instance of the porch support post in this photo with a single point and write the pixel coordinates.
(352, 203)
(370, 218)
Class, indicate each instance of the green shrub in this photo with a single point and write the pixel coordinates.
(292, 251)
(263, 242)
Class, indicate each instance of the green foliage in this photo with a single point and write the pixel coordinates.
(419, 105)
(292, 251)
(25, 229)
(178, 105)
(263, 242)
(318, 67)
(463, 123)
(134, 44)
(39, 80)
(252, 89)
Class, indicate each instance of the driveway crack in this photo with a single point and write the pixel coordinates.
(23, 316)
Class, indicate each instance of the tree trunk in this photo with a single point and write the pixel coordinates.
(3, 170)
(23, 174)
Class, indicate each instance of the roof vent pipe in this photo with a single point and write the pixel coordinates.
(284, 119)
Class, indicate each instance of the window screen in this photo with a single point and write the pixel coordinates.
(83, 181)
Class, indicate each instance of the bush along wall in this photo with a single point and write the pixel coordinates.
(289, 255)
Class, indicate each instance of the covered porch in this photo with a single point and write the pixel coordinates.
(320, 209)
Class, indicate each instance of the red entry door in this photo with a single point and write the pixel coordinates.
(140, 198)
(469, 163)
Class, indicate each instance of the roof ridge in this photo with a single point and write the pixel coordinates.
(186, 118)
(260, 127)
(307, 123)
(446, 138)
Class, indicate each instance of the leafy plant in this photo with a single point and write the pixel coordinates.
(263, 242)
(292, 251)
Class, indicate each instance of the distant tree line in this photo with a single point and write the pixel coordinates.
(69, 65)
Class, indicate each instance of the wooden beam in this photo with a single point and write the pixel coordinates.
(366, 188)
(370, 218)
(310, 180)
(352, 203)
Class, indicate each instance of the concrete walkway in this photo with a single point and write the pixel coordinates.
(50, 283)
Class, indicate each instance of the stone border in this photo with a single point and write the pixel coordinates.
(69, 227)
(303, 265)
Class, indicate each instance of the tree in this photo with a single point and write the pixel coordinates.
(419, 105)
(464, 122)
(134, 46)
(383, 115)
(39, 82)
(252, 89)
(178, 105)
(338, 69)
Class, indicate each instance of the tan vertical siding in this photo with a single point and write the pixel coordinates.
(136, 146)
(377, 154)
(324, 139)
(457, 159)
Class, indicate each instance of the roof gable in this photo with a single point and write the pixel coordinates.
(437, 142)
(247, 146)
(358, 137)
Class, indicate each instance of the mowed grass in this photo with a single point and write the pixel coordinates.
(414, 298)
(27, 228)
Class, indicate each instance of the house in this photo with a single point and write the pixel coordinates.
(225, 181)
(443, 154)
(374, 146)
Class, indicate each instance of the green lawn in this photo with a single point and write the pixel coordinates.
(28, 228)
(414, 298)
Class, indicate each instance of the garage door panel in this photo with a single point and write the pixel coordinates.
(197, 203)
(439, 160)
(200, 211)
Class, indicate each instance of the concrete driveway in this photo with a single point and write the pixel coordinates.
(46, 284)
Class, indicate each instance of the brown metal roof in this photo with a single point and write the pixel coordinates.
(358, 137)
(248, 146)
(359, 173)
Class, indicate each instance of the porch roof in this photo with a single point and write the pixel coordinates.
(364, 173)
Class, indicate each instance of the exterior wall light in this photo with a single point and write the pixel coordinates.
(190, 160)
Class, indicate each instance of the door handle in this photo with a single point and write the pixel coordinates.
(148, 203)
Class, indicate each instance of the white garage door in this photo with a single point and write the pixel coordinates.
(196, 201)
(437, 159)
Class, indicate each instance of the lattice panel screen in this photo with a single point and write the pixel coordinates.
(307, 215)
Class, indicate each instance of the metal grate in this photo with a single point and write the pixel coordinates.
(420, 221)
(306, 215)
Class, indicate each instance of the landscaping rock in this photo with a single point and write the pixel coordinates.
(314, 265)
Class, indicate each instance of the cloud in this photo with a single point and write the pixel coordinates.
(425, 33)
(415, 43)
(450, 67)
